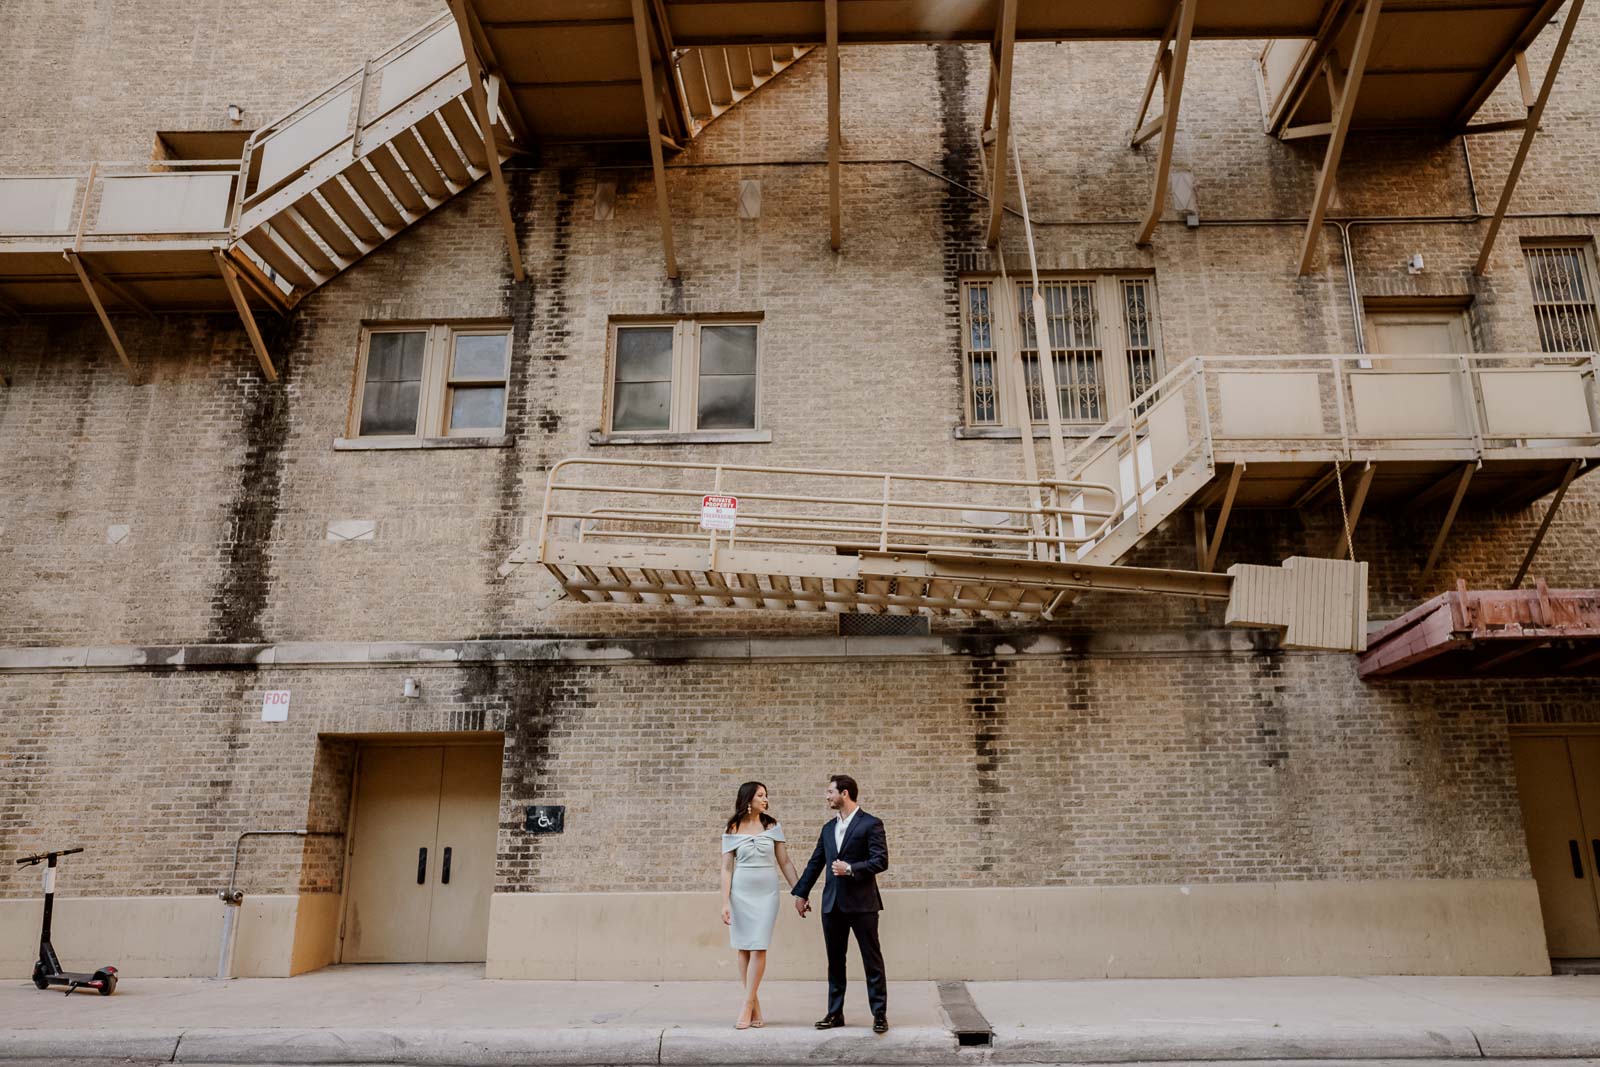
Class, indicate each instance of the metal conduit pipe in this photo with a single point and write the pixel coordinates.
(232, 897)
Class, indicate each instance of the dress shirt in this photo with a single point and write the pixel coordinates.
(840, 825)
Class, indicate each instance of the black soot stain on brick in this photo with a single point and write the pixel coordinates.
(540, 330)
(241, 595)
(520, 700)
(986, 706)
(958, 165)
(1268, 687)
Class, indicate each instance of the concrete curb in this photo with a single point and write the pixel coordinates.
(1553, 1043)
(1202, 1041)
(87, 1044)
(909, 1045)
(423, 1047)
(791, 1046)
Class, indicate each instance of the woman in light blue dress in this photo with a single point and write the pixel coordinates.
(753, 853)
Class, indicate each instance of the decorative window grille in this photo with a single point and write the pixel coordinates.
(1103, 358)
(1074, 325)
(1564, 297)
(983, 377)
(1143, 368)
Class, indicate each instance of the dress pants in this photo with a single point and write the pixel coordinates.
(836, 929)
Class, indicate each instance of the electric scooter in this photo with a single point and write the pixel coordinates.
(47, 971)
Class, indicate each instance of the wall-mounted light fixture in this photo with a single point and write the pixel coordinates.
(411, 690)
(235, 113)
(1414, 265)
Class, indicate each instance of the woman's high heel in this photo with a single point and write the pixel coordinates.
(744, 1022)
(755, 1017)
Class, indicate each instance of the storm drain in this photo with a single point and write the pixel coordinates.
(972, 1030)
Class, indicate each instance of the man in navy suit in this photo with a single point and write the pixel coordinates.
(854, 850)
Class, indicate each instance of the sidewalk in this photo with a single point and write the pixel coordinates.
(438, 1015)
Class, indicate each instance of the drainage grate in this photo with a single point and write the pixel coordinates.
(972, 1030)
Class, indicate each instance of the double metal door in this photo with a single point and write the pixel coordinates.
(422, 848)
(1558, 779)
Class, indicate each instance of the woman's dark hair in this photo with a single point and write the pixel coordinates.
(846, 785)
(741, 807)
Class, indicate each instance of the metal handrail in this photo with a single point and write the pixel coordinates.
(879, 521)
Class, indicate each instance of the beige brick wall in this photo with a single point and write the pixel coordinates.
(1069, 772)
(990, 772)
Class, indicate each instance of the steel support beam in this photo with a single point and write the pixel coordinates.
(652, 113)
(100, 310)
(1002, 127)
(1463, 480)
(122, 294)
(476, 76)
(230, 278)
(1535, 113)
(1358, 500)
(1183, 32)
(1550, 513)
(1159, 69)
(835, 223)
(1214, 539)
(1344, 101)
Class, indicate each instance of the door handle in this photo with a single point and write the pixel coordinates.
(422, 865)
(1577, 859)
(445, 872)
(1595, 844)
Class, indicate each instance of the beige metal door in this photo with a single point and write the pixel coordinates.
(1417, 333)
(469, 816)
(1562, 854)
(402, 903)
(1585, 752)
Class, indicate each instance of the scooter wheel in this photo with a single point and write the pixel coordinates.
(39, 980)
(108, 982)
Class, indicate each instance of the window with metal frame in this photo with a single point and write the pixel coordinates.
(1563, 280)
(1103, 336)
(432, 380)
(683, 375)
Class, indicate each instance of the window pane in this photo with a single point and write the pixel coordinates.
(642, 406)
(477, 407)
(395, 357)
(392, 392)
(644, 354)
(389, 408)
(728, 402)
(480, 355)
(727, 350)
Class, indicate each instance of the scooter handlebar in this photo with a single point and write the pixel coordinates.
(46, 855)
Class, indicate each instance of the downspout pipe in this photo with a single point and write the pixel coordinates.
(232, 897)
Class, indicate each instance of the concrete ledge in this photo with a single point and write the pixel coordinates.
(1110, 645)
(424, 1047)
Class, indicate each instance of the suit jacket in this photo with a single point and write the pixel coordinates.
(865, 849)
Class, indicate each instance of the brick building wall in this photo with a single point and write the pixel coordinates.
(1097, 770)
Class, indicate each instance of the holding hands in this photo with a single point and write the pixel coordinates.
(802, 905)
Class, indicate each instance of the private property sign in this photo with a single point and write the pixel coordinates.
(718, 512)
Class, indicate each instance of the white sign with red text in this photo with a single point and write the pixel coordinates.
(275, 706)
(718, 512)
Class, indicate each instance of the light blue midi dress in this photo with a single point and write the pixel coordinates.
(753, 898)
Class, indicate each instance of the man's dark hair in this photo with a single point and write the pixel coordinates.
(846, 785)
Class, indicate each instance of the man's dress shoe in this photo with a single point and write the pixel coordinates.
(828, 1022)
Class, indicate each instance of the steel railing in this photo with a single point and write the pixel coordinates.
(813, 509)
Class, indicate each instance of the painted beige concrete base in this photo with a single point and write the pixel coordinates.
(1270, 928)
(175, 937)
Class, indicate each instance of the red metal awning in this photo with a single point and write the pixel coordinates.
(1491, 633)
